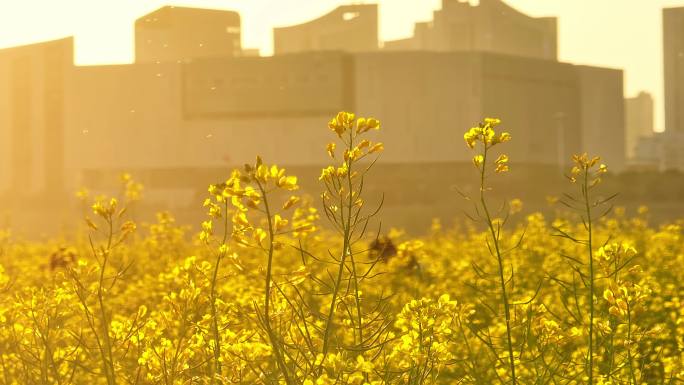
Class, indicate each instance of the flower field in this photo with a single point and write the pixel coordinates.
(278, 288)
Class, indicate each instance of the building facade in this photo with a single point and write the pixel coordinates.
(673, 66)
(34, 80)
(662, 151)
(490, 26)
(352, 28)
(552, 109)
(172, 34)
(638, 120)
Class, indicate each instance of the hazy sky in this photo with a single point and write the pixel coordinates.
(614, 33)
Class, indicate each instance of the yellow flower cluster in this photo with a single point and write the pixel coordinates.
(426, 327)
(248, 189)
(349, 129)
(485, 135)
(343, 180)
(590, 167)
(625, 298)
(345, 122)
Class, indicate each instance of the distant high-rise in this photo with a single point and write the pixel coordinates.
(638, 120)
(351, 28)
(172, 34)
(673, 50)
(491, 26)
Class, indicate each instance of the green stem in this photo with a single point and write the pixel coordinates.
(629, 344)
(590, 355)
(109, 362)
(350, 204)
(346, 251)
(267, 296)
(499, 258)
(212, 296)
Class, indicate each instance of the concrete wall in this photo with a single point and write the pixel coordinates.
(294, 85)
(135, 118)
(425, 101)
(538, 102)
(352, 28)
(603, 114)
(123, 116)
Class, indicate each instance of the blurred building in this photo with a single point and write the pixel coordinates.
(491, 26)
(352, 28)
(662, 151)
(169, 121)
(179, 33)
(648, 153)
(425, 99)
(673, 62)
(638, 120)
(668, 148)
(214, 113)
(34, 80)
(178, 118)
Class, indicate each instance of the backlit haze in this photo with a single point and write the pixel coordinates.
(612, 33)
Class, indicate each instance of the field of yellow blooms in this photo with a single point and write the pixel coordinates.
(274, 291)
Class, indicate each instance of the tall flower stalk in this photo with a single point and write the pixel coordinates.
(244, 192)
(110, 214)
(215, 211)
(484, 138)
(343, 203)
(586, 172)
